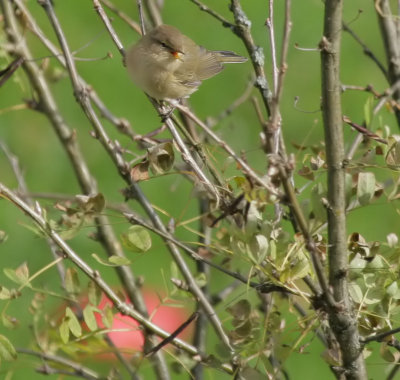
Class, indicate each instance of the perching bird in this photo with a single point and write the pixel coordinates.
(168, 65)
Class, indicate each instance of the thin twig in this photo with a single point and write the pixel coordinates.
(265, 287)
(214, 14)
(48, 106)
(243, 31)
(79, 369)
(123, 168)
(186, 155)
(270, 24)
(244, 166)
(391, 41)
(122, 124)
(154, 12)
(359, 138)
(141, 17)
(94, 275)
(133, 24)
(23, 188)
(189, 160)
(380, 336)
(99, 9)
(367, 51)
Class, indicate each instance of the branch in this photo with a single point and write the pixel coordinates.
(214, 14)
(242, 29)
(391, 40)
(134, 25)
(121, 124)
(99, 9)
(94, 275)
(263, 182)
(48, 106)
(266, 287)
(79, 370)
(80, 92)
(341, 318)
(367, 51)
(379, 337)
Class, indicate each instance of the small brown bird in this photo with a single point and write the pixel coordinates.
(168, 65)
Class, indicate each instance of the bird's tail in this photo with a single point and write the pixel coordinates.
(229, 57)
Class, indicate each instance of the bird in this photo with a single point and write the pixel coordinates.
(168, 65)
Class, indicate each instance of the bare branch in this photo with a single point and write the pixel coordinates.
(123, 168)
(214, 14)
(79, 369)
(94, 275)
(99, 9)
(391, 40)
(341, 317)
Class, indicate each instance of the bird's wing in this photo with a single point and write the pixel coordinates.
(209, 64)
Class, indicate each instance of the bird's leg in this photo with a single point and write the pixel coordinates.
(167, 108)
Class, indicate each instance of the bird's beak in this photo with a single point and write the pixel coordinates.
(177, 55)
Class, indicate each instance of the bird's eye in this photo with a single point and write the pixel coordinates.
(164, 45)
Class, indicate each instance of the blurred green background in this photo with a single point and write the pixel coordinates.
(46, 168)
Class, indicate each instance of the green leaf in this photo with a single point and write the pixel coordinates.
(374, 296)
(317, 194)
(94, 293)
(119, 261)
(137, 239)
(73, 323)
(240, 310)
(3, 236)
(72, 284)
(369, 279)
(5, 294)
(7, 350)
(8, 321)
(112, 261)
(376, 263)
(393, 290)
(300, 269)
(19, 275)
(107, 316)
(392, 240)
(355, 292)
(89, 318)
(272, 253)
(249, 373)
(393, 155)
(357, 263)
(259, 247)
(387, 354)
(253, 219)
(201, 280)
(368, 110)
(365, 187)
(64, 331)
